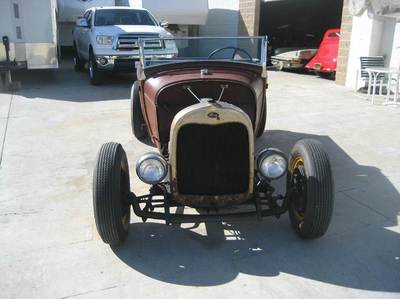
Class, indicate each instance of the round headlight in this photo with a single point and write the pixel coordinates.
(152, 168)
(272, 163)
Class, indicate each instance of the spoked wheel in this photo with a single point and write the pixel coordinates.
(311, 186)
(111, 190)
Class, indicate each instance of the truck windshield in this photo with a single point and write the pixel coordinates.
(109, 17)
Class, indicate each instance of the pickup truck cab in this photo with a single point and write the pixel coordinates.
(107, 39)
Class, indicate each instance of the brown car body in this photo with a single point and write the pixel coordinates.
(163, 93)
(203, 115)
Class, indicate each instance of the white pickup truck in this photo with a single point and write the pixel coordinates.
(107, 39)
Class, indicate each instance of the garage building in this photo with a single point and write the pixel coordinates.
(368, 27)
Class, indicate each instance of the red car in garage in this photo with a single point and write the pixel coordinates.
(324, 62)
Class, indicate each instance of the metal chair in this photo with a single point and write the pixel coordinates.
(368, 62)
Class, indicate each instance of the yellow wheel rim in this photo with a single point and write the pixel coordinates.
(296, 163)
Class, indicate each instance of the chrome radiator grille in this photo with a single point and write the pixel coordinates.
(130, 41)
(213, 160)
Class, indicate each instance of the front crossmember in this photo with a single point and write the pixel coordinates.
(160, 198)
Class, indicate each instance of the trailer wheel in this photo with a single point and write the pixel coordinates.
(137, 120)
(111, 190)
(79, 64)
(311, 186)
(95, 75)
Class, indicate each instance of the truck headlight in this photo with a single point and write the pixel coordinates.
(104, 39)
(272, 163)
(151, 168)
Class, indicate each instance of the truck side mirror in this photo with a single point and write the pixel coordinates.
(82, 22)
(164, 24)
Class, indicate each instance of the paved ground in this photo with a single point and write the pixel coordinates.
(50, 248)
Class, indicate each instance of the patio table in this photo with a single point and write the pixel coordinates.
(374, 73)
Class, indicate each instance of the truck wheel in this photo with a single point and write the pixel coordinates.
(330, 76)
(311, 189)
(280, 65)
(95, 74)
(79, 64)
(111, 189)
(138, 124)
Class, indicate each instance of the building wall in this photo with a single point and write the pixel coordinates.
(395, 51)
(344, 47)
(371, 37)
(222, 20)
(249, 17)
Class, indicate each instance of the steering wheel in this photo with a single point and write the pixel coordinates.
(235, 50)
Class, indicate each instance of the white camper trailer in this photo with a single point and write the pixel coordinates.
(30, 29)
(69, 11)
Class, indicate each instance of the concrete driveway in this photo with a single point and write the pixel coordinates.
(52, 130)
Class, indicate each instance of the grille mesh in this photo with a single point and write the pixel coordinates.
(213, 160)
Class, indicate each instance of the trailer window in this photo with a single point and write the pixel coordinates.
(18, 32)
(16, 10)
(109, 17)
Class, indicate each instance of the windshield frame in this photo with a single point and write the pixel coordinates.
(141, 64)
(150, 16)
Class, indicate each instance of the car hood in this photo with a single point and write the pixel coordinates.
(134, 29)
(300, 53)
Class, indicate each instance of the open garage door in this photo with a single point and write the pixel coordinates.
(298, 23)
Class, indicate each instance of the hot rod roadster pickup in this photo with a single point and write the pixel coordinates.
(202, 110)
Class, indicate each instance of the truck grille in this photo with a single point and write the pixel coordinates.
(213, 159)
(130, 42)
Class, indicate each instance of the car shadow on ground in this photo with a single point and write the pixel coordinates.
(64, 84)
(360, 250)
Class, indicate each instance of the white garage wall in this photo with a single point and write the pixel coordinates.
(223, 18)
(359, 46)
(395, 59)
(372, 37)
(176, 11)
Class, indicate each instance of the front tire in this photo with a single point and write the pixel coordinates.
(311, 189)
(137, 121)
(263, 121)
(111, 190)
(79, 64)
(95, 75)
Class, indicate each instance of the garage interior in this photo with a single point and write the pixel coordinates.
(293, 23)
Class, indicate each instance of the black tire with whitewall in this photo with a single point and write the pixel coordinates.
(95, 75)
(311, 186)
(111, 189)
